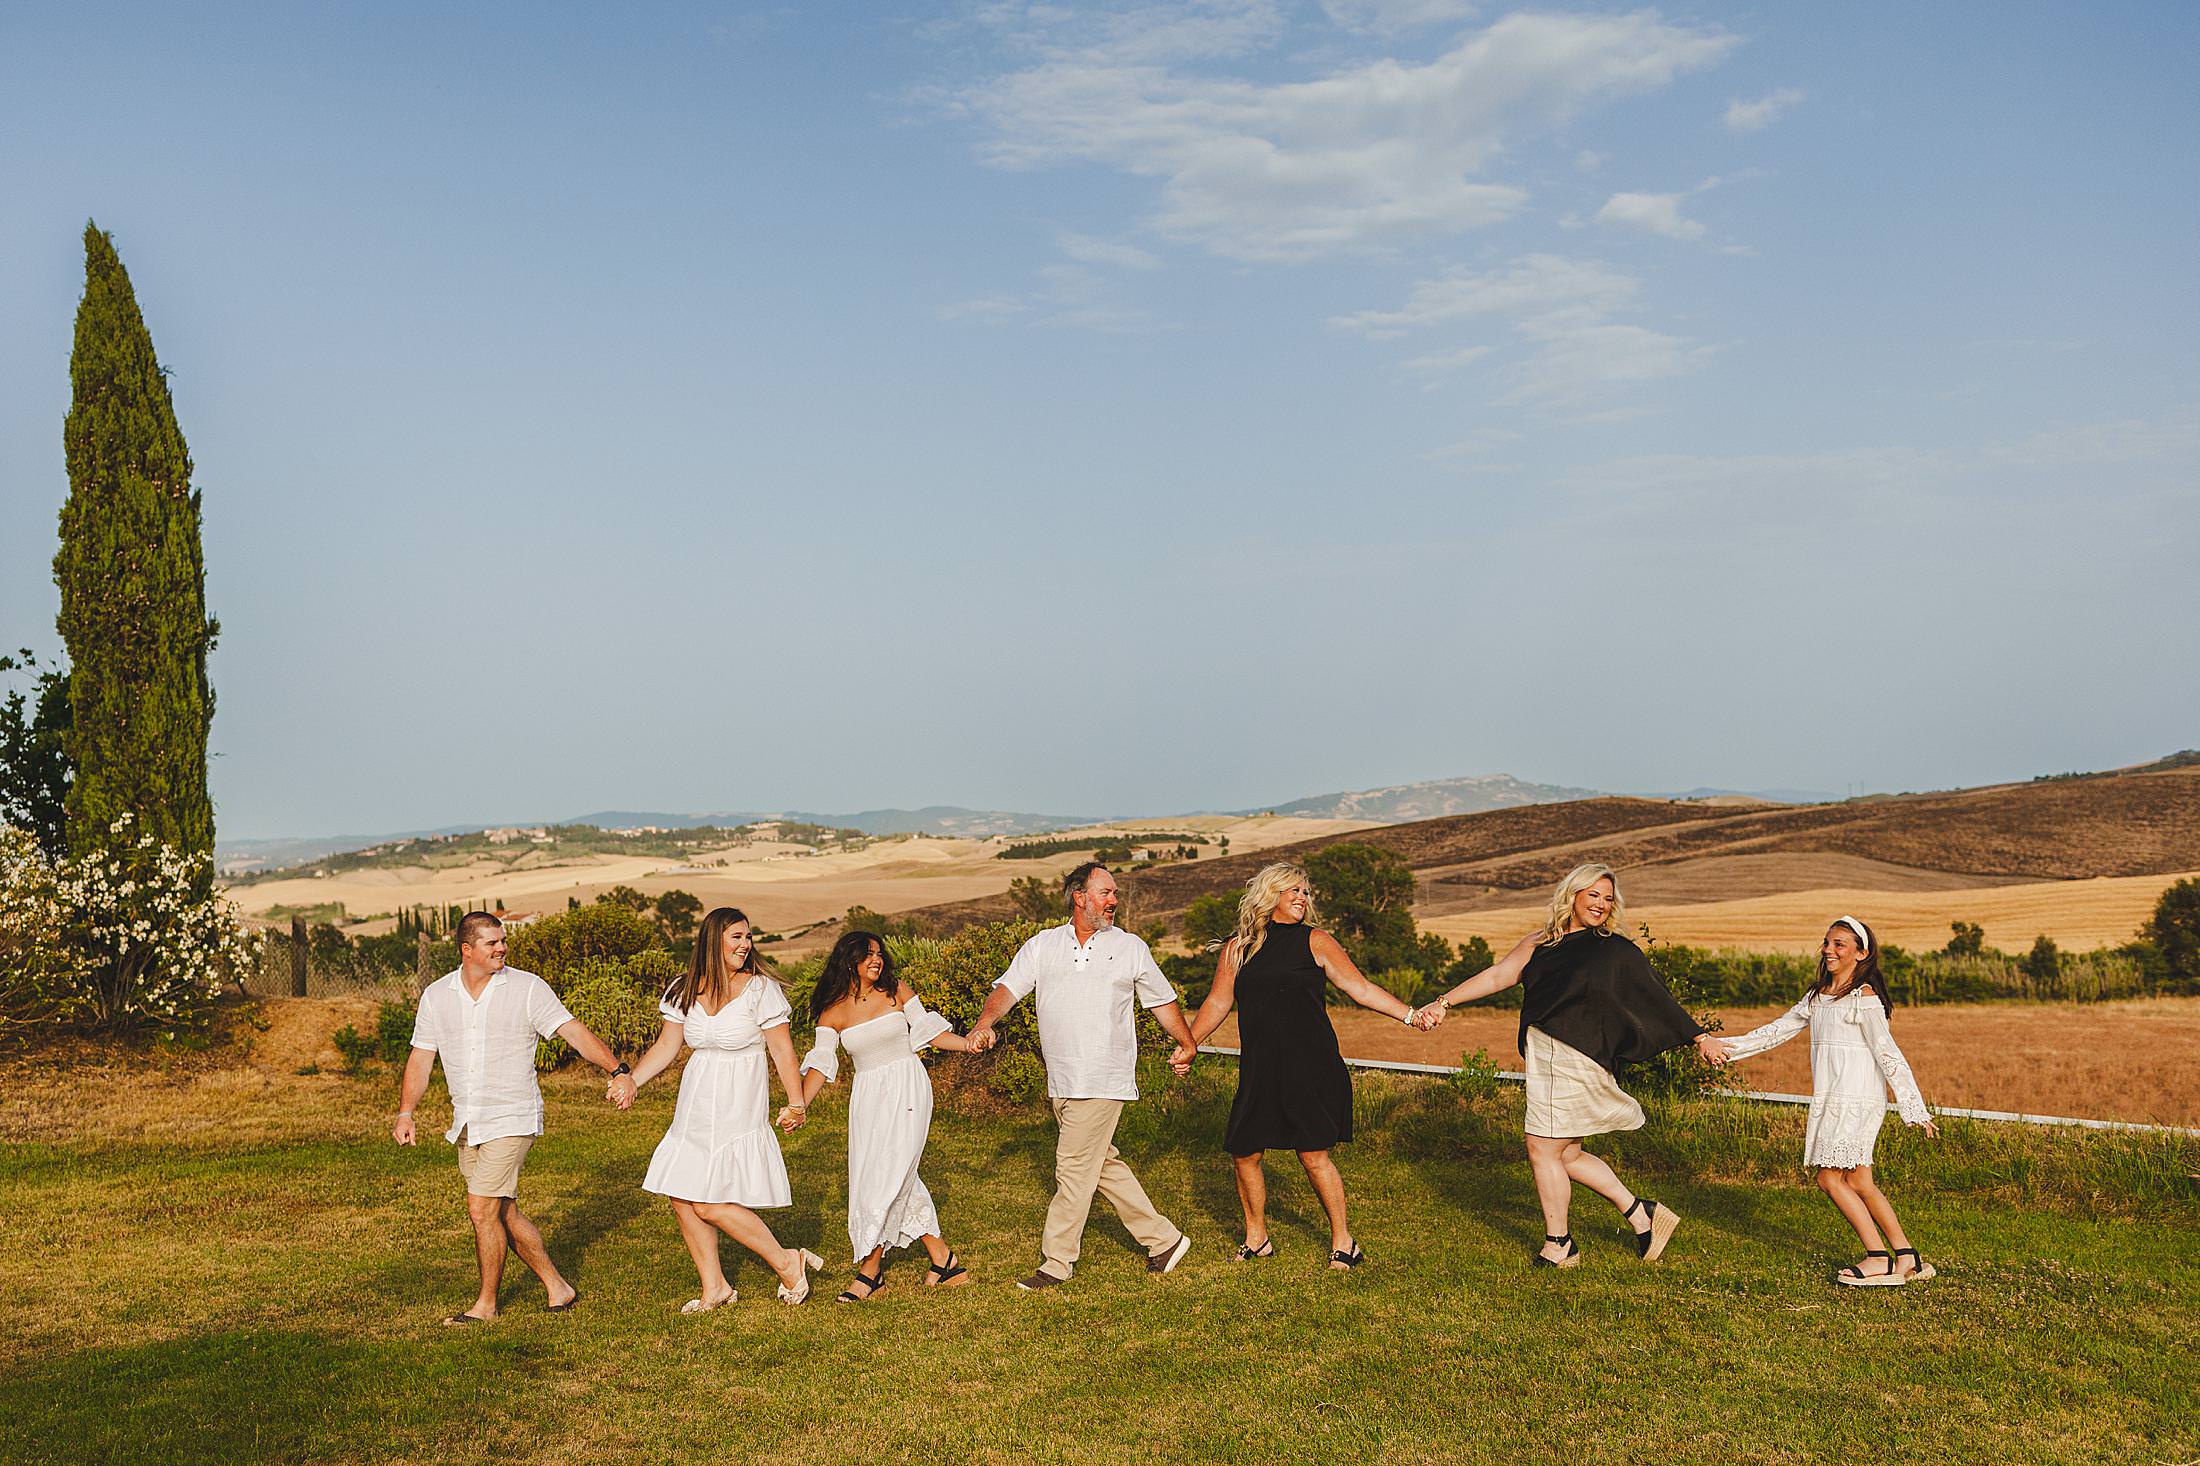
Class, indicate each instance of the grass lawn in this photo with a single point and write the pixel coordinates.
(275, 1297)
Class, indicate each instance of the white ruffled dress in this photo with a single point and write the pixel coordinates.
(721, 1147)
(889, 1119)
(1853, 1061)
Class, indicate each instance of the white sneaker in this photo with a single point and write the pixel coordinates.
(1166, 1260)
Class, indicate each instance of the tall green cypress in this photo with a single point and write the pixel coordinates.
(133, 581)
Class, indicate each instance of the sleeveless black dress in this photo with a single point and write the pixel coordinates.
(1294, 1092)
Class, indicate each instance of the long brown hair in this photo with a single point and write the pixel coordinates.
(1867, 973)
(707, 976)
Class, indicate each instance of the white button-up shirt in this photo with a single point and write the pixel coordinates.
(487, 1046)
(1088, 1030)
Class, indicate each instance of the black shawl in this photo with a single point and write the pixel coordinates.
(1598, 994)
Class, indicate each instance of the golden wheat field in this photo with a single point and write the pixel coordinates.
(2079, 915)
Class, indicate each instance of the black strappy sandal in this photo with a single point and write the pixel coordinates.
(871, 1285)
(1650, 1241)
(1267, 1248)
(1854, 1276)
(1571, 1259)
(1922, 1270)
(1346, 1261)
(948, 1274)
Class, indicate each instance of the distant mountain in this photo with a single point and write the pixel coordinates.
(933, 819)
(1430, 800)
(237, 856)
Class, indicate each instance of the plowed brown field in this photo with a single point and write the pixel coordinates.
(2100, 1061)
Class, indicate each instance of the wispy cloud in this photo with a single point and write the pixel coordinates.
(1654, 213)
(1561, 315)
(1751, 116)
(1087, 250)
(1365, 158)
(1391, 17)
(1076, 293)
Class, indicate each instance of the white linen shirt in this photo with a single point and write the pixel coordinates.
(487, 1046)
(1088, 1032)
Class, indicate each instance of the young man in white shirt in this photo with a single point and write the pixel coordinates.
(1088, 974)
(484, 1020)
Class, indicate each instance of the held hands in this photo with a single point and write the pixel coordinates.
(1428, 1017)
(1180, 1059)
(981, 1039)
(1713, 1049)
(621, 1090)
(791, 1117)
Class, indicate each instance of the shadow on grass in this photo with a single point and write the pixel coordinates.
(250, 1395)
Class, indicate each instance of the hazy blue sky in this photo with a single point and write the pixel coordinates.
(1135, 408)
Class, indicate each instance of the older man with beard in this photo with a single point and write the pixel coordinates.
(1091, 977)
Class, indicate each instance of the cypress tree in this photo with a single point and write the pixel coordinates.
(133, 581)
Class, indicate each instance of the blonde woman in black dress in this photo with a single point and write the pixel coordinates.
(1294, 1092)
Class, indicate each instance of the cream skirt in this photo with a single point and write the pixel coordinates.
(1571, 1096)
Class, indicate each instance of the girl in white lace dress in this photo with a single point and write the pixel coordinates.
(1853, 1061)
(720, 1161)
(861, 1006)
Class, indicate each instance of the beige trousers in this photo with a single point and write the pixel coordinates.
(1085, 1161)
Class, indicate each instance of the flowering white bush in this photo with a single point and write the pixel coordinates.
(128, 936)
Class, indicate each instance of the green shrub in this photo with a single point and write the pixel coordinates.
(1210, 918)
(1477, 1077)
(355, 1047)
(654, 972)
(556, 947)
(603, 995)
(1019, 1078)
(393, 1029)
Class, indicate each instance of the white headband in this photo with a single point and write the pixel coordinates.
(1855, 926)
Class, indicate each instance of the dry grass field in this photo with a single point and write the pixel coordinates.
(2079, 915)
(2097, 1061)
(782, 886)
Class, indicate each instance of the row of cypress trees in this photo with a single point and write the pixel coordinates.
(123, 728)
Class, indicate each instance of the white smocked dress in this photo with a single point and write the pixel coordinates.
(721, 1146)
(889, 1118)
(1853, 1061)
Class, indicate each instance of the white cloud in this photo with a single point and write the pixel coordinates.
(1389, 17)
(1656, 213)
(1447, 361)
(1744, 116)
(1561, 314)
(1533, 287)
(1587, 161)
(1090, 251)
(1072, 295)
(1365, 158)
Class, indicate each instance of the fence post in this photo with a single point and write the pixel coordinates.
(297, 956)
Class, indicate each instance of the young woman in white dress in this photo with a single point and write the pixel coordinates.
(1853, 1060)
(720, 1161)
(860, 1005)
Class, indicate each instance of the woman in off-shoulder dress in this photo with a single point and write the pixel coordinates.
(1853, 1062)
(861, 1006)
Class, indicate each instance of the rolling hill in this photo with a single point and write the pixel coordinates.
(2068, 828)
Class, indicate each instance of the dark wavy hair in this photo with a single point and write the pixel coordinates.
(706, 976)
(1867, 975)
(839, 978)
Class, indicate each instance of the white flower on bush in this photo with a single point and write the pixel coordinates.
(149, 941)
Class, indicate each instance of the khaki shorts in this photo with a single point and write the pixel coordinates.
(492, 1168)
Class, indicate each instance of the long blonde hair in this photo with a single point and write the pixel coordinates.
(1258, 903)
(1580, 879)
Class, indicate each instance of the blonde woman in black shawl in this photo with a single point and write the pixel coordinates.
(1590, 1004)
